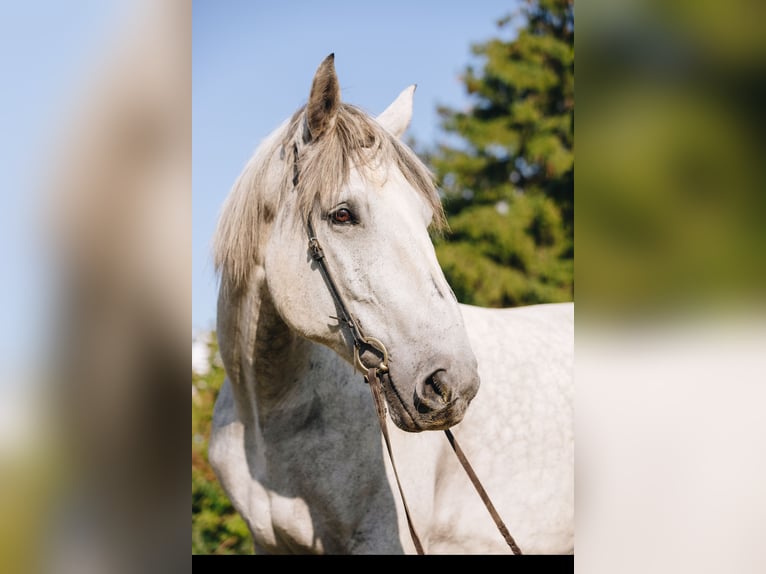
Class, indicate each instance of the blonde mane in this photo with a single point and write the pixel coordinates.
(323, 168)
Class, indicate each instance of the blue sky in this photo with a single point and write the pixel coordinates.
(253, 62)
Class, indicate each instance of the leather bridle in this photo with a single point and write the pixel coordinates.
(373, 376)
(361, 343)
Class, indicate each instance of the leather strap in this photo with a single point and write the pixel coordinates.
(482, 493)
(373, 380)
(317, 254)
(380, 407)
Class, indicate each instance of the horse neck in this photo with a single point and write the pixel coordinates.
(265, 359)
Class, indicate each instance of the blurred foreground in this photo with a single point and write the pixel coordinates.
(95, 474)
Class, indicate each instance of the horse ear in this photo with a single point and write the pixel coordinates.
(396, 117)
(324, 99)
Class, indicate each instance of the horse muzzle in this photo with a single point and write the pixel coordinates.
(437, 402)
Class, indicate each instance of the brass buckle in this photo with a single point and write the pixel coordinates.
(378, 346)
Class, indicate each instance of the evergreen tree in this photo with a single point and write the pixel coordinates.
(508, 187)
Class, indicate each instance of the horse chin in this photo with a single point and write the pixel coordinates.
(404, 421)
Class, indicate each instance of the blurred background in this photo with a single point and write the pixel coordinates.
(670, 323)
(101, 235)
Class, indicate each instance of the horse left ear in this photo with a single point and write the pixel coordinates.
(324, 99)
(396, 117)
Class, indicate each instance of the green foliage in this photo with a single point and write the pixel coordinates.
(509, 189)
(216, 526)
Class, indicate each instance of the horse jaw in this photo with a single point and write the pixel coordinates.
(397, 116)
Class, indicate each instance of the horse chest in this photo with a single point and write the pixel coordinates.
(317, 489)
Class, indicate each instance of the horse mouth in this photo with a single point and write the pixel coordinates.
(412, 417)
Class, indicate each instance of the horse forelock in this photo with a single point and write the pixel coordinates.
(323, 167)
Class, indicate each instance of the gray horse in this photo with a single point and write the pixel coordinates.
(295, 440)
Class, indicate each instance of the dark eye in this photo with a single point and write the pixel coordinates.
(342, 215)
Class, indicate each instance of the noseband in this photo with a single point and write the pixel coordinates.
(373, 375)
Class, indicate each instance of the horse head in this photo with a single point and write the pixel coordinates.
(347, 180)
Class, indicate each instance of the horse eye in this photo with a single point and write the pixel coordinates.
(342, 215)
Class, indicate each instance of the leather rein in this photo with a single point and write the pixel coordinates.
(373, 376)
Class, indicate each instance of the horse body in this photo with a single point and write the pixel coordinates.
(518, 434)
(318, 481)
(295, 440)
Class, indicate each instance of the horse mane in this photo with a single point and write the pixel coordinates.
(323, 167)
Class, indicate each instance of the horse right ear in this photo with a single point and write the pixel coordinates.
(324, 100)
(396, 117)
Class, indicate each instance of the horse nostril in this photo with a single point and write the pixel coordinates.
(441, 390)
(434, 393)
